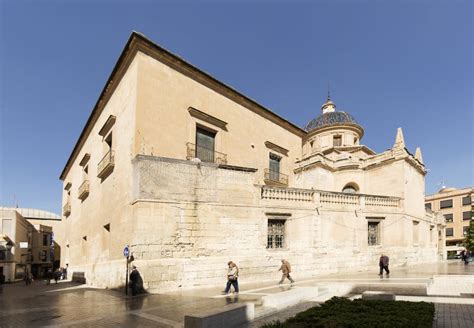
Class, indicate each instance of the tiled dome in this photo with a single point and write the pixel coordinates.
(330, 118)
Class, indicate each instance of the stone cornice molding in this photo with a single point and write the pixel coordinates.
(278, 149)
(207, 118)
(385, 158)
(346, 126)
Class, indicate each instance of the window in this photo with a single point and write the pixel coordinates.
(205, 143)
(446, 203)
(355, 141)
(449, 232)
(337, 141)
(276, 233)
(466, 200)
(415, 232)
(373, 231)
(45, 240)
(448, 217)
(428, 206)
(350, 188)
(44, 256)
(465, 231)
(107, 227)
(466, 215)
(274, 166)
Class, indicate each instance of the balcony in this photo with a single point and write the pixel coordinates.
(275, 178)
(67, 209)
(205, 154)
(83, 191)
(106, 165)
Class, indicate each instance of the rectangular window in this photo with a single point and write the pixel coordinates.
(466, 200)
(428, 206)
(446, 203)
(465, 231)
(466, 215)
(274, 167)
(337, 141)
(276, 233)
(448, 217)
(45, 240)
(205, 143)
(449, 232)
(44, 256)
(373, 231)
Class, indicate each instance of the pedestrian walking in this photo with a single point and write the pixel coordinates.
(383, 264)
(285, 268)
(135, 281)
(28, 278)
(232, 278)
(467, 255)
(49, 276)
(65, 272)
(57, 275)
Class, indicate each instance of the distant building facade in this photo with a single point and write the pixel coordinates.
(26, 243)
(191, 174)
(456, 207)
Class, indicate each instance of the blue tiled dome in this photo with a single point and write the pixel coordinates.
(331, 118)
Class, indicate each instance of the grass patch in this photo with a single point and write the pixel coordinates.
(341, 312)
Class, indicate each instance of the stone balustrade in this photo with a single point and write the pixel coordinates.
(339, 198)
(328, 198)
(382, 201)
(299, 195)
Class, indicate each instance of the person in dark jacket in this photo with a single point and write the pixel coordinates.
(383, 264)
(135, 281)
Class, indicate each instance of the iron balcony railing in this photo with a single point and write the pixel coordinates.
(67, 209)
(106, 165)
(276, 176)
(205, 154)
(83, 190)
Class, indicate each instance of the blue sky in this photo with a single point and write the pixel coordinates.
(403, 63)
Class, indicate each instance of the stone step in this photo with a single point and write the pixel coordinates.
(290, 297)
(377, 296)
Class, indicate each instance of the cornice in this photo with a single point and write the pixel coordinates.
(346, 126)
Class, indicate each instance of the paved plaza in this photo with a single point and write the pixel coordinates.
(69, 304)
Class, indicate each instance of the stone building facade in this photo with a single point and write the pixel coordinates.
(190, 174)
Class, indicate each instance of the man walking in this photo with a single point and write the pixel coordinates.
(285, 269)
(383, 264)
(134, 281)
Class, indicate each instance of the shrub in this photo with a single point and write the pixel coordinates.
(341, 312)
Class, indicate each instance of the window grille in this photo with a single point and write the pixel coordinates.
(373, 230)
(276, 233)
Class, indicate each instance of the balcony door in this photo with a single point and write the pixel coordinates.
(274, 167)
(205, 143)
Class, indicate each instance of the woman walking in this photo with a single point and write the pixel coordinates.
(232, 277)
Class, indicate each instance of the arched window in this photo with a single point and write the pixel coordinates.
(350, 188)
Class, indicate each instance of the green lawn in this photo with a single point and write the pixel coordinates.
(341, 312)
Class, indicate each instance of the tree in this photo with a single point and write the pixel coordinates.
(469, 241)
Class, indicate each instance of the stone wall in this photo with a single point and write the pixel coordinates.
(190, 219)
